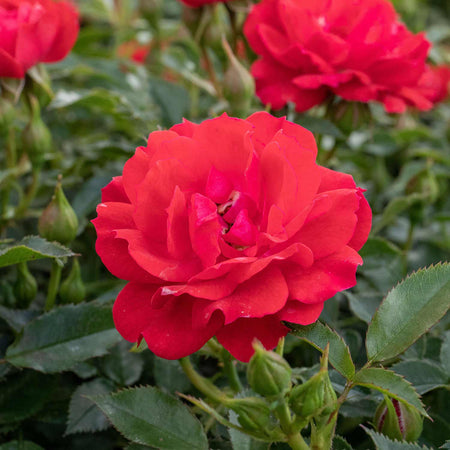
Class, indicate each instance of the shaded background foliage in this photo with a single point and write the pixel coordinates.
(104, 106)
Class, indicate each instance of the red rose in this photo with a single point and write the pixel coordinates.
(310, 49)
(33, 31)
(227, 228)
(134, 51)
(198, 3)
(435, 83)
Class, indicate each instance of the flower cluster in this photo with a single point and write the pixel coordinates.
(33, 31)
(356, 49)
(228, 228)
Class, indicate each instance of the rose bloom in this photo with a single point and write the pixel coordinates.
(357, 49)
(198, 3)
(134, 51)
(33, 31)
(435, 83)
(226, 229)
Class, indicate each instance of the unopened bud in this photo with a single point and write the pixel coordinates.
(253, 413)
(268, 373)
(36, 137)
(25, 287)
(349, 116)
(238, 84)
(72, 289)
(424, 183)
(217, 27)
(58, 221)
(316, 397)
(398, 420)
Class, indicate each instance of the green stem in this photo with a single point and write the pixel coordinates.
(53, 285)
(294, 438)
(11, 157)
(30, 194)
(296, 442)
(231, 372)
(201, 383)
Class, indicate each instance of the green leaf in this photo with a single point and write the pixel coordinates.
(58, 340)
(425, 375)
(445, 353)
(383, 443)
(173, 100)
(31, 248)
(319, 125)
(23, 395)
(362, 305)
(20, 445)
(319, 335)
(394, 208)
(383, 264)
(147, 416)
(339, 443)
(122, 366)
(408, 311)
(84, 416)
(17, 318)
(391, 384)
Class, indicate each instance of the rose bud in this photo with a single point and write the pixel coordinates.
(253, 413)
(58, 221)
(36, 137)
(72, 289)
(398, 420)
(350, 116)
(238, 85)
(268, 373)
(25, 287)
(315, 397)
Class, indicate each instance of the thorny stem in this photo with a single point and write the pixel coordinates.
(294, 438)
(231, 372)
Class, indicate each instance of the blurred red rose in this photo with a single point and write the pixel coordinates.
(359, 50)
(435, 83)
(134, 51)
(227, 228)
(198, 3)
(33, 31)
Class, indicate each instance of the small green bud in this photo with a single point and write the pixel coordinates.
(25, 287)
(36, 137)
(238, 84)
(398, 420)
(253, 413)
(316, 397)
(72, 289)
(424, 183)
(216, 28)
(268, 373)
(349, 116)
(58, 221)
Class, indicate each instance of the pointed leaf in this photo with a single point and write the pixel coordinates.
(241, 441)
(148, 416)
(339, 443)
(383, 443)
(425, 375)
(84, 416)
(31, 248)
(408, 311)
(390, 383)
(319, 335)
(56, 341)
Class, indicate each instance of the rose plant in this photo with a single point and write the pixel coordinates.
(311, 50)
(222, 235)
(34, 31)
(225, 229)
